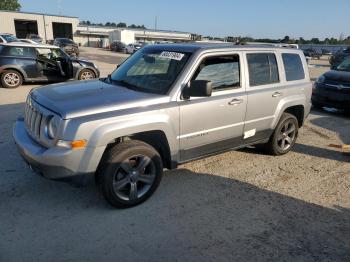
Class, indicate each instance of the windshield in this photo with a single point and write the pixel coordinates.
(66, 41)
(150, 71)
(10, 38)
(344, 66)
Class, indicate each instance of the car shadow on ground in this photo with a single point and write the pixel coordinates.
(335, 121)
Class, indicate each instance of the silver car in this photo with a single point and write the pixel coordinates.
(165, 105)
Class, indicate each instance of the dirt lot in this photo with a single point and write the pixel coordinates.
(237, 206)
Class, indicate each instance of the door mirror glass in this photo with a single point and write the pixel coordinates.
(198, 88)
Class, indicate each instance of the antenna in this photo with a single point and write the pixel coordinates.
(155, 23)
(59, 7)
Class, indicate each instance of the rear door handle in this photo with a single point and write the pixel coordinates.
(277, 94)
(235, 101)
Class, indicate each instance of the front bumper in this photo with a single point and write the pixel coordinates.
(52, 163)
(331, 98)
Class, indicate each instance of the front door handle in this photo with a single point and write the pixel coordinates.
(235, 101)
(277, 94)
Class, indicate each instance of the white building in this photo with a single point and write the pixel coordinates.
(50, 27)
(46, 26)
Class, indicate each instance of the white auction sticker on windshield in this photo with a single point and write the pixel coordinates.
(171, 55)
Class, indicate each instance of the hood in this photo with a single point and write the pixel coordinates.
(339, 76)
(81, 98)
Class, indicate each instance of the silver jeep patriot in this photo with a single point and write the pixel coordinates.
(165, 105)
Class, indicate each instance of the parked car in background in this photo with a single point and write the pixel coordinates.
(35, 38)
(118, 46)
(132, 48)
(68, 45)
(23, 62)
(29, 41)
(8, 38)
(312, 53)
(166, 105)
(339, 57)
(332, 89)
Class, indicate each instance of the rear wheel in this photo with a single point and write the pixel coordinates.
(130, 173)
(11, 79)
(86, 74)
(284, 135)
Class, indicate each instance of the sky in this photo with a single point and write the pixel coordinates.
(254, 18)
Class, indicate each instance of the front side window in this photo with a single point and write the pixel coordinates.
(50, 53)
(222, 71)
(293, 67)
(262, 68)
(150, 70)
(344, 66)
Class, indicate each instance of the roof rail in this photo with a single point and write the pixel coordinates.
(274, 44)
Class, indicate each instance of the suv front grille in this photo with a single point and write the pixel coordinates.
(33, 119)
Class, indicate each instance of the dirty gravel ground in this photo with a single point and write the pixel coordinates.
(237, 206)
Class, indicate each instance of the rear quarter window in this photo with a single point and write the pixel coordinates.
(20, 51)
(293, 67)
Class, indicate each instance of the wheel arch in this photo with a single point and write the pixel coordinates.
(15, 68)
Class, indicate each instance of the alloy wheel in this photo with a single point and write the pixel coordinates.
(286, 135)
(86, 75)
(12, 79)
(134, 177)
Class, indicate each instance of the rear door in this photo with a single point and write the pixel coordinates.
(212, 124)
(22, 57)
(265, 90)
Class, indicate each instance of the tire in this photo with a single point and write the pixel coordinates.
(86, 74)
(130, 173)
(11, 79)
(276, 146)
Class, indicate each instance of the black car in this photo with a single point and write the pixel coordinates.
(339, 57)
(332, 89)
(310, 52)
(118, 47)
(68, 45)
(22, 62)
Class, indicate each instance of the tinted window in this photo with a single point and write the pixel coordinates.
(222, 71)
(293, 67)
(20, 51)
(262, 69)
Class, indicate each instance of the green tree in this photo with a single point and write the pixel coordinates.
(285, 39)
(121, 24)
(11, 5)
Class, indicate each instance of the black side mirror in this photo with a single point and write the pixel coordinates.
(198, 88)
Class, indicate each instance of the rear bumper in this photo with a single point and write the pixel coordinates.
(53, 163)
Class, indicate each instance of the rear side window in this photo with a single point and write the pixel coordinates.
(262, 68)
(20, 51)
(293, 67)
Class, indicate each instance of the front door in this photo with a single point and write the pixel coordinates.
(212, 124)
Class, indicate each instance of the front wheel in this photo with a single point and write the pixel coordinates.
(284, 135)
(130, 173)
(86, 74)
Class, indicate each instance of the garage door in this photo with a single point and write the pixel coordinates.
(25, 27)
(62, 30)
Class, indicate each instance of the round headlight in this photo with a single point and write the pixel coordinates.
(52, 127)
(320, 80)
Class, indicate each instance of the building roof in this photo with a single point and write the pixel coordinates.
(33, 13)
